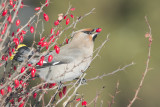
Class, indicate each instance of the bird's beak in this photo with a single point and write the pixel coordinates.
(94, 34)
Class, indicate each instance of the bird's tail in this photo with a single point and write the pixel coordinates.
(21, 52)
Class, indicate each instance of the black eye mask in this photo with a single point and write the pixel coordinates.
(89, 32)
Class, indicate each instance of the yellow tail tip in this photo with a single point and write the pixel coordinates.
(19, 46)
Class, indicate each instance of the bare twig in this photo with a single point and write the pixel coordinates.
(96, 98)
(113, 96)
(147, 66)
(108, 74)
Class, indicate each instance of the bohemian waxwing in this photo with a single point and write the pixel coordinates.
(74, 58)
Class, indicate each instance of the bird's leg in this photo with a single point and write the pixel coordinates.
(60, 85)
(83, 81)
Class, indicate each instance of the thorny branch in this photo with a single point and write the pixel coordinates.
(96, 98)
(114, 96)
(108, 74)
(147, 66)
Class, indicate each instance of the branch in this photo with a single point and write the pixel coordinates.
(108, 74)
(113, 97)
(96, 98)
(147, 66)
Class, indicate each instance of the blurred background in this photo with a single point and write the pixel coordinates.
(124, 20)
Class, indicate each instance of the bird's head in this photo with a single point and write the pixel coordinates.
(85, 38)
(87, 34)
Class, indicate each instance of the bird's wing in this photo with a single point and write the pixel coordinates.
(64, 57)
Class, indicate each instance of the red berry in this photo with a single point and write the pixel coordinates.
(51, 38)
(50, 58)
(67, 21)
(57, 32)
(40, 42)
(21, 81)
(12, 101)
(16, 83)
(6, 58)
(23, 69)
(52, 31)
(3, 4)
(9, 19)
(12, 34)
(10, 53)
(67, 41)
(72, 16)
(23, 32)
(3, 31)
(24, 85)
(16, 41)
(57, 49)
(42, 58)
(84, 103)
(2, 92)
(52, 85)
(31, 29)
(64, 90)
(37, 8)
(33, 72)
(18, 30)
(46, 18)
(65, 17)
(18, 22)
(21, 105)
(21, 38)
(42, 38)
(45, 85)
(5, 26)
(9, 89)
(40, 63)
(11, 2)
(30, 65)
(14, 6)
(3, 57)
(44, 44)
(9, 49)
(72, 9)
(46, 3)
(47, 46)
(56, 23)
(34, 95)
(9, 75)
(60, 94)
(21, 5)
(14, 68)
(98, 30)
(4, 12)
(78, 99)
(19, 99)
(1, 39)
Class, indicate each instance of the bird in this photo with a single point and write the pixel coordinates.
(72, 61)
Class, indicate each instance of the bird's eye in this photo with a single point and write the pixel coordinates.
(88, 32)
